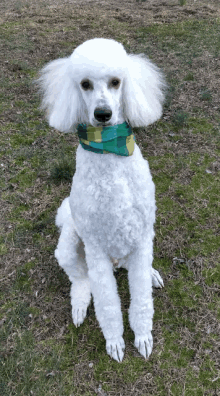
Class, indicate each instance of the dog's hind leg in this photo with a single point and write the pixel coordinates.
(71, 257)
(157, 281)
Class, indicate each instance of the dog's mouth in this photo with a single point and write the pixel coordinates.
(102, 124)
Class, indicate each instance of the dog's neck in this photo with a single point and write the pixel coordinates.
(117, 139)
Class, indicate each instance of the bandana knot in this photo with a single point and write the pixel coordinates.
(117, 139)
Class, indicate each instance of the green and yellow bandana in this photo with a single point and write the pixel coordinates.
(117, 139)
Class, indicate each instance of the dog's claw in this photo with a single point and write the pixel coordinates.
(115, 348)
(157, 281)
(78, 315)
(144, 344)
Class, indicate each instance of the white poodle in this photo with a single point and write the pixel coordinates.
(101, 91)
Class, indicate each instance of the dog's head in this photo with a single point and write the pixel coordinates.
(100, 84)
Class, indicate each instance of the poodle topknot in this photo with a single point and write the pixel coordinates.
(108, 219)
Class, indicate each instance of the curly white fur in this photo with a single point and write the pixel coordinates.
(111, 209)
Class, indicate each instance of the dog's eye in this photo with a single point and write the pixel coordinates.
(115, 82)
(86, 85)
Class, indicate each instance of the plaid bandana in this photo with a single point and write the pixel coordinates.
(117, 139)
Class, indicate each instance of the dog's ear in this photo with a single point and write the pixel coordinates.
(61, 98)
(142, 91)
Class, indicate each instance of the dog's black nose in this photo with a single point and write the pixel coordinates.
(102, 114)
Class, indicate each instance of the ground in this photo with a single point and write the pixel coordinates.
(42, 352)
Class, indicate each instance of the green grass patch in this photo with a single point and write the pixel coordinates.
(186, 38)
(184, 295)
(62, 170)
(22, 281)
(24, 178)
(212, 275)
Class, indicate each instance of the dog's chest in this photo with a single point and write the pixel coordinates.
(113, 205)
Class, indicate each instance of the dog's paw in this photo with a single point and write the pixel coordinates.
(115, 348)
(80, 299)
(78, 315)
(144, 344)
(157, 281)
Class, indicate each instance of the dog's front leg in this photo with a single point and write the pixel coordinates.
(141, 307)
(106, 300)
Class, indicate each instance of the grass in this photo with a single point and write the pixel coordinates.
(42, 352)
